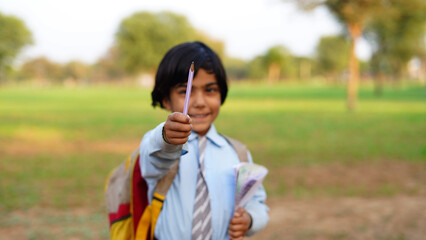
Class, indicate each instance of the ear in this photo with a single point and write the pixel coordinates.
(166, 104)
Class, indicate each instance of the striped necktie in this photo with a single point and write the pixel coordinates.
(201, 222)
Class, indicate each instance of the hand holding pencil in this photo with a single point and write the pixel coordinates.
(178, 126)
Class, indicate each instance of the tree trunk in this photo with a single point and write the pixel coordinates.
(304, 70)
(274, 73)
(352, 91)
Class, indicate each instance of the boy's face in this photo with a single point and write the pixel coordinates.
(204, 103)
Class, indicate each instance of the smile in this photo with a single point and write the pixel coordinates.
(199, 115)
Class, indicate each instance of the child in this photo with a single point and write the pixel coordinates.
(205, 174)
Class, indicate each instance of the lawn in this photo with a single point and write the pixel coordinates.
(57, 146)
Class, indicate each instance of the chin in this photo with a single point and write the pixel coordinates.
(201, 129)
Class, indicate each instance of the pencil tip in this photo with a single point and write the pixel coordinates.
(192, 66)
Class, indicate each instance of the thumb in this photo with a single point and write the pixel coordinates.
(238, 212)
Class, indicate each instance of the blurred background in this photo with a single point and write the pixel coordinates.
(329, 95)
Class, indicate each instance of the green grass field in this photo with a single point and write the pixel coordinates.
(57, 145)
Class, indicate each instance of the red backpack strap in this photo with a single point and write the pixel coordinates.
(139, 193)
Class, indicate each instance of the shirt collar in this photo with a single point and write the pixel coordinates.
(212, 135)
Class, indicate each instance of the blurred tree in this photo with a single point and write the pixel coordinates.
(143, 38)
(305, 67)
(107, 67)
(279, 63)
(397, 36)
(76, 70)
(332, 56)
(256, 68)
(41, 70)
(274, 59)
(275, 64)
(354, 14)
(236, 68)
(14, 35)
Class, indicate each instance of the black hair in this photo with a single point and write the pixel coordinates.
(174, 69)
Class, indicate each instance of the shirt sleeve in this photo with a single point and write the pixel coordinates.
(157, 157)
(257, 208)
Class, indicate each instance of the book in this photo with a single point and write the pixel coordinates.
(248, 177)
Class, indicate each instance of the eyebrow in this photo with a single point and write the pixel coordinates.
(211, 84)
(179, 85)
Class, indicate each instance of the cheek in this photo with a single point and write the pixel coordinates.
(215, 105)
(177, 104)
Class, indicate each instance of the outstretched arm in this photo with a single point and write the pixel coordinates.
(162, 146)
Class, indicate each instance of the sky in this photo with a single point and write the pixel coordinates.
(83, 30)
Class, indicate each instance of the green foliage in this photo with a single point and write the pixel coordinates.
(332, 55)
(275, 55)
(276, 61)
(236, 68)
(141, 42)
(353, 11)
(346, 11)
(107, 67)
(354, 14)
(257, 70)
(307, 67)
(397, 35)
(76, 70)
(42, 69)
(14, 35)
(144, 38)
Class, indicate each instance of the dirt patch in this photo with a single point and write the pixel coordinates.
(48, 223)
(61, 148)
(369, 179)
(401, 217)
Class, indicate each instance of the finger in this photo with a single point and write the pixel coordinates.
(178, 141)
(179, 117)
(235, 235)
(236, 227)
(237, 220)
(240, 211)
(177, 126)
(175, 134)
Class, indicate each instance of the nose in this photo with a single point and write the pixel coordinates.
(198, 99)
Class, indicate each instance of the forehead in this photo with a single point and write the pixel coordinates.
(201, 79)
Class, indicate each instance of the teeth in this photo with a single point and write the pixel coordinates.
(199, 115)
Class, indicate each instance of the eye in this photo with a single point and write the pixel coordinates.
(182, 91)
(212, 89)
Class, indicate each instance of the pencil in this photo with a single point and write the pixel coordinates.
(188, 88)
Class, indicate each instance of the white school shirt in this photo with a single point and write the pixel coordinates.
(175, 220)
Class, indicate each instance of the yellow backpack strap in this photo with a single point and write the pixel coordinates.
(239, 147)
(156, 206)
(151, 213)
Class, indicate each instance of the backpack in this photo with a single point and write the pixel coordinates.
(126, 191)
